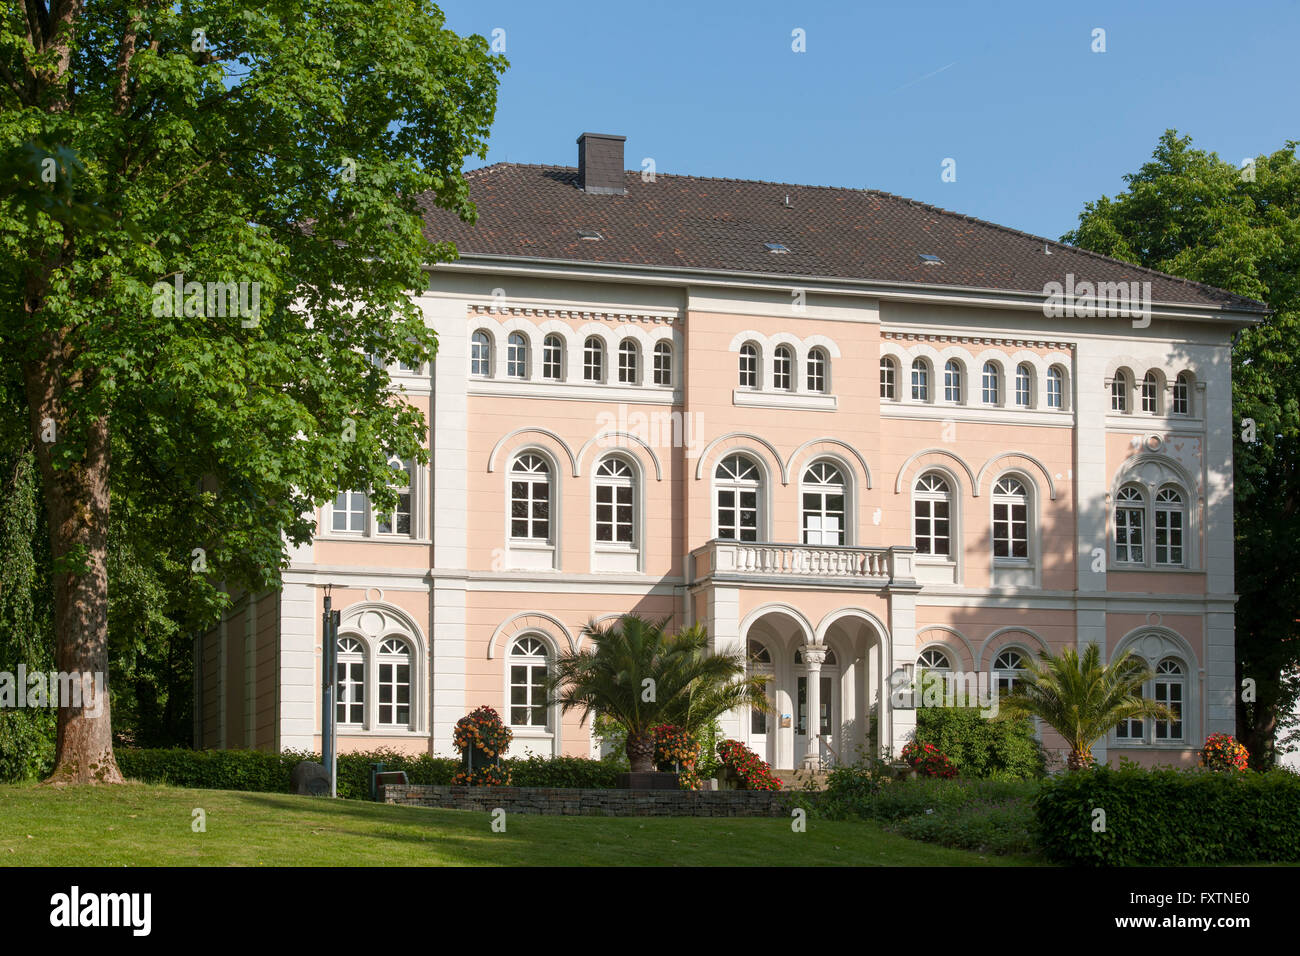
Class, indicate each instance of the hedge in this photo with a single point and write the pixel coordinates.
(264, 772)
(1163, 817)
(1002, 748)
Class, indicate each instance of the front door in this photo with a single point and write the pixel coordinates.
(827, 707)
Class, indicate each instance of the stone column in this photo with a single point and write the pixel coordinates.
(814, 655)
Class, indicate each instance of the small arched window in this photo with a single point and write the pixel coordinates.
(952, 381)
(1119, 392)
(738, 483)
(480, 354)
(530, 498)
(933, 659)
(1170, 690)
(517, 355)
(783, 368)
(629, 362)
(1010, 519)
(529, 664)
(394, 683)
(1055, 387)
(817, 368)
(920, 380)
(1007, 667)
(663, 363)
(553, 358)
(748, 365)
(1130, 521)
(593, 359)
(615, 497)
(1182, 394)
(932, 513)
(888, 379)
(990, 384)
(823, 504)
(1024, 386)
(1151, 393)
(350, 671)
(1169, 520)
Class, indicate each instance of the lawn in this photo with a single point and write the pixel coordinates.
(143, 825)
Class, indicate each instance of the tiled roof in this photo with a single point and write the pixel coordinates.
(723, 225)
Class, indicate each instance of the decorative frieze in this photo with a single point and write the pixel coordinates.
(977, 340)
(583, 315)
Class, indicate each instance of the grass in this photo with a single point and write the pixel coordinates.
(145, 825)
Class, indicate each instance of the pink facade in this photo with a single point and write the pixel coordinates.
(798, 467)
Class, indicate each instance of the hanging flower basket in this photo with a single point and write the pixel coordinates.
(482, 737)
(1224, 752)
(677, 751)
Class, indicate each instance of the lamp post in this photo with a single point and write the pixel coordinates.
(329, 654)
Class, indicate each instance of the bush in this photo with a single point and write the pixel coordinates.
(26, 744)
(1169, 817)
(1223, 752)
(928, 761)
(1001, 748)
(564, 772)
(754, 773)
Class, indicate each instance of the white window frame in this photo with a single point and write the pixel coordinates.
(920, 380)
(663, 363)
(530, 499)
(384, 657)
(931, 497)
(889, 379)
(814, 482)
(629, 362)
(952, 382)
(553, 358)
(1056, 377)
(517, 355)
(1025, 387)
(1130, 506)
(593, 359)
(480, 354)
(1175, 525)
(783, 369)
(1006, 499)
(990, 384)
(736, 485)
(539, 656)
(818, 370)
(350, 693)
(748, 365)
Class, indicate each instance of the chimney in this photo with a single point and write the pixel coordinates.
(600, 164)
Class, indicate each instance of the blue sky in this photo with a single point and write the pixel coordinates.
(1037, 123)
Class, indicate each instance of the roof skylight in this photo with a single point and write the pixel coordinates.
(930, 260)
(776, 247)
(590, 234)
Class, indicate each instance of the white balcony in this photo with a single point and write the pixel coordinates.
(759, 561)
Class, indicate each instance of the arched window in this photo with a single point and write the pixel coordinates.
(990, 384)
(932, 512)
(952, 381)
(783, 368)
(888, 379)
(1055, 387)
(480, 354)
(1119, 392)
(1171, 682)
(1169, 526)
(1130, 520)
(593, 359)
(399, 521)
(920, 380)
(817, 364)
(1007, 667)
(350, 672)
(1182, 404)
(629, 361)
(517, 355)
(663, 363)
(394, 682)
(749, 365)
(553, 358)
(528, 671)
(1024, 386)
(823, 504)
(615, 494)
(1151, 393)
(1010, 519)
(530, 498)
(933, 659)
(738, 482)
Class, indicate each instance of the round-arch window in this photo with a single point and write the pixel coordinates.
(1007, 667)
(350, 673)
(528, 666)
(823, 504)
(932, 514)
(1010, 519)
(737, 491)
(933, 659)
(394, 682)
(614, 502)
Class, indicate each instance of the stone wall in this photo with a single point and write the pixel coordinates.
(600, 803)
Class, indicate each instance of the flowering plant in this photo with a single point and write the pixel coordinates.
(756, 774)
(482, 731)
(677, 748)
(1223, 752)
(928, 761)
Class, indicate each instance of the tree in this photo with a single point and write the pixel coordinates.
(638, 674)
(1188, 213)
(1081, 699)
(208, 252)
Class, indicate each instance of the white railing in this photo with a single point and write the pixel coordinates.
(878, 565)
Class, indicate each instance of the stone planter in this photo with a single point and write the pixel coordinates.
(902, 771)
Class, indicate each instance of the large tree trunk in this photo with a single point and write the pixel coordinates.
(1080, 758)
(77, 506)
(641, 752)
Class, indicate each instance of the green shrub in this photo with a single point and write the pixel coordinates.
(564, 772)
(26, 744)
(999, 748)
(1169, 817)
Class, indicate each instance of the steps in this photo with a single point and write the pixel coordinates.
(801, 779)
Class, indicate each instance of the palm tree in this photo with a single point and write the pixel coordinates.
(638, 674)
(1081, 699)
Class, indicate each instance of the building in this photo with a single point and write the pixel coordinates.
(852, 434)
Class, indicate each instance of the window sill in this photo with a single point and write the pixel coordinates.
(808, 401)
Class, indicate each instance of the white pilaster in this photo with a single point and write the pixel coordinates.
(299, 652)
